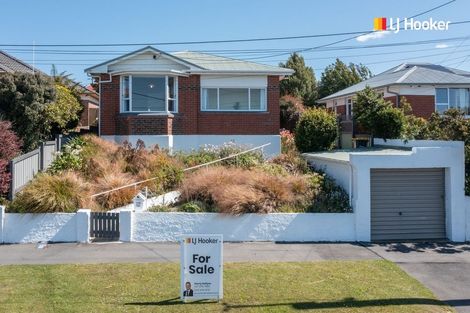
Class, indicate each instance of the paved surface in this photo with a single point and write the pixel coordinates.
(168, 252)
(442, 267)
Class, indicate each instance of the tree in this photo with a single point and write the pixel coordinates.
(10, 147)
(64, 113)
(302, 83)
(377, 115)
(338, 76)
(316, 130)
(23, 101)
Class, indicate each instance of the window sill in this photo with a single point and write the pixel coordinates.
(234, 112)
(169, 114)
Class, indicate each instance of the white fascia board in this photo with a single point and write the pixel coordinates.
(214, 72)
(170, 72)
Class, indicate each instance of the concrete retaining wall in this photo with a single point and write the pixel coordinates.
(49, 227)
(147, 226)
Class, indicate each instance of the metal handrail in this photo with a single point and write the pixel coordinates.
(184, 170)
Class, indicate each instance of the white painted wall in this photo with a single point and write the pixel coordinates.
(248, 227)
(340, 171)
(31, 228)
(194, 142)
(232, 81)
(467, 206)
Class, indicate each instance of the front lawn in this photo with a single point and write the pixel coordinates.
(333, 286)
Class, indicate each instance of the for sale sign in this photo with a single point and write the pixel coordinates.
(201, 267)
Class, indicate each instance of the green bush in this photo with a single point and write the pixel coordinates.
(330, 197)
(192, 207)
(316, 130)
(70, 158)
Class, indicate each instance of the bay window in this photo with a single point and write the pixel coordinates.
(458, 98)
(233, 99)
(148, 94)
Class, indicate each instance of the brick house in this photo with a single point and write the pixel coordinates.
(183, 100)
(427, 87)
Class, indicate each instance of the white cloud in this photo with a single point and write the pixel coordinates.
(441, 46)
(372, 36)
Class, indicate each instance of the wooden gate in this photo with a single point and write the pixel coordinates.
(104, 226)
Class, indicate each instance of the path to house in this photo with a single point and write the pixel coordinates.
(442, 267)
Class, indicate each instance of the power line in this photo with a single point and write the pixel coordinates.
(369, 32)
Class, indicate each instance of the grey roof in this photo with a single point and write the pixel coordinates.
(218, 63)
(203, 62)
(409, 74)
(11, 64)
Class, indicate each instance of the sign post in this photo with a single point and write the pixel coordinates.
(201, 267)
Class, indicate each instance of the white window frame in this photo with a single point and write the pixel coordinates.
(349, 105)
(263, 104)
(121, 99)
(448, 98)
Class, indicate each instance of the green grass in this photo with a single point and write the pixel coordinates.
(339, 286)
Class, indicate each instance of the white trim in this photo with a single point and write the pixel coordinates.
(448, 98)
(263, 100)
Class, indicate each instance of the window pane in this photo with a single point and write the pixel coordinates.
(441, 95)
(126, 105)
(125, 87)
(171, 88)
(256, 99)
(441, 108)
(458, 98)
(233, 99)
(209, 99)
(171, 105)
(148, 94)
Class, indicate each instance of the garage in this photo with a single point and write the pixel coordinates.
(407, 204)
(402, 191)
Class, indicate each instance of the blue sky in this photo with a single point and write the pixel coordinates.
(89, 22)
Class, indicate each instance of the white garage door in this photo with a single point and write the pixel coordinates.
(407, 204)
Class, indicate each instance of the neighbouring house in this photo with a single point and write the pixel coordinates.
(183, 100)
(88, 97)
(90, 100)
(427, 87)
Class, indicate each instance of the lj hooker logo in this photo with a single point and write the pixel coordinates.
(394, 24)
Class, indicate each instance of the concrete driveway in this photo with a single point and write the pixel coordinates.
(442, 267)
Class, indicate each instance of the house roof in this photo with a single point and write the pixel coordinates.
(197, 62)
(10, 64)
(409, 74)
(212, 62)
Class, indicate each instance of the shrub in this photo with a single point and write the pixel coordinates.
(287, 141)
(331, 198)
(210, 153)
(237, 191)
(111, 179)
(9, 148)
(293, 163)
(70, 158)
(317, 130)
(291, 110)
(167, 171)
(63, 114)
(53, 193)
(192, 207)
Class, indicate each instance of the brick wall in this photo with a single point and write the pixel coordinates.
(190, 119)
(109, 107)
(422, 106)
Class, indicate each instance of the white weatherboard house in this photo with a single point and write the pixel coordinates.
(402, 191)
